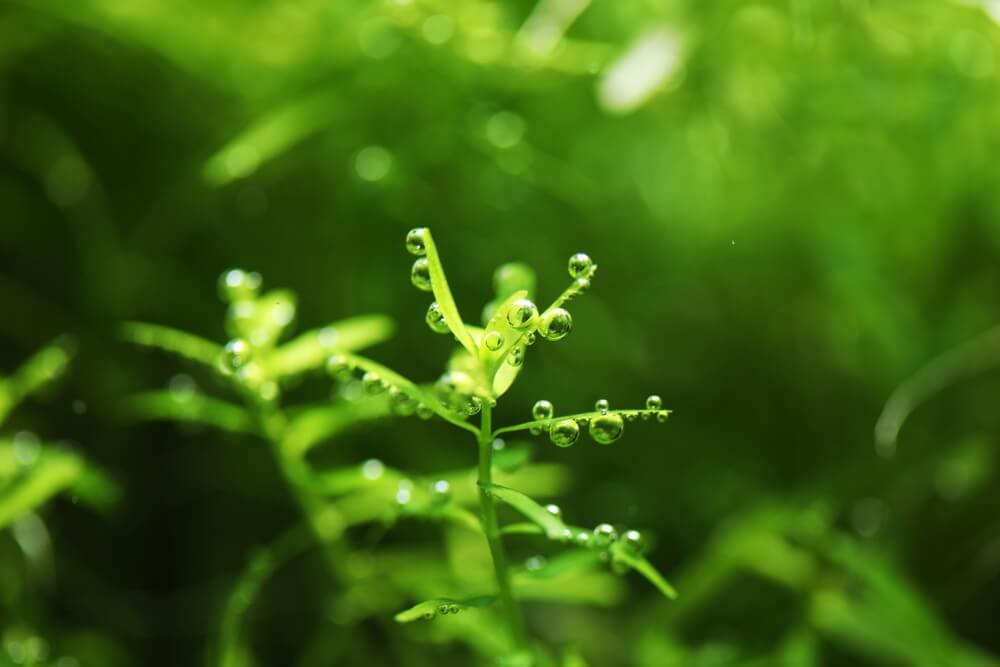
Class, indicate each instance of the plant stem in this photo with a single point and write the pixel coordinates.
(491, 526)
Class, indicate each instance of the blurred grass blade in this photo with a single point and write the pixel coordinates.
(44, 366)
(310, 426)
(269, 137)
(189, 407)
(969, 359)
(549, 522)
(442, 294)
(621, 553)
(181, 343)
(311, 349)
(429, 609)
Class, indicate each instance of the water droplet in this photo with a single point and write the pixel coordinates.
(634, 541)
(442, 490)
(26, 447)
(493, 340)
(237, 353)
(534, 563)
(604, 534)
(516, 357)
(529, 339)
(542, 410)
(338, 367)
(654, 402)
(429, 615)
(662, 415)
(372, 469)
(400, 402)
(453, 609)
(564, 433)
(583, 539)
(237, 285)
(581, 284)
(555, 324)
(372, 383)
(404, 494)
(565, 535)
(580, 265)
(443, 609)
(630, 416)
(554, 510)
(606, 429)
(373, 163)
(499, 444)
(424, 412)
(435, 319)
(415, 244)
(522, 313)
(602, 406)
(420, 274)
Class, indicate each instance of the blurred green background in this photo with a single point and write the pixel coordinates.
(794, 205)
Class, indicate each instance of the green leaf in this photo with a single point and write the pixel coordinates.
(312, 425)
(544, 424)
(442, 294)
(501, 375)
(262, 320)
(181, 343)
(430, 609)
(550, 523)
(311, 349)
(43, 367)
(190, 407)
(622, 553)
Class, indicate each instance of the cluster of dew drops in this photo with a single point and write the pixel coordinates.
(602, 537)
(554, 324)
(605, 428)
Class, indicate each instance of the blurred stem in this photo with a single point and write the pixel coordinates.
(491, 526)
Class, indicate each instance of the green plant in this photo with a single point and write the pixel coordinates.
(480, 371)
(32, 472)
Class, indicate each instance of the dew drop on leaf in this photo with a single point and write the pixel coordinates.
(372, 383)
(580, 265)
(420, 274)
(415, 244)
(522, 313)
(564, 433)
(602, 406)
(542, 410)
(556, 324)
(604, 534)
(435, 319)
(493, 341)
(237, 353)
(606, 428)
(654, 402)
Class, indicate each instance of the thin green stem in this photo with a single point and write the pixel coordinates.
(491, 526)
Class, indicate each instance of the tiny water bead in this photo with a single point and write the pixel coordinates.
(564, 433)
(634, 540)
(372, 469)
(606, 428)
(534, 563)
(237, 284)
(435, 319)
(556, 324)
(372, 383)
(522, 313)
(420, 274)
(493, 340)
(581, 283)
(415, 241)
(441, 490)
(580, 265)
(237, 353)
(662, 415)
(400, 402)
(424, 412)
(542, 410)
(338, 367)
(602, 406)
(604, 534)
(554, 510)
(654, 402)
(516, 357)
(583, 539)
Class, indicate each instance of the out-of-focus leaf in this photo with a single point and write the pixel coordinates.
(622, 553)
(312, 348)
(191, 407)
(307, 427)
(263, 319)
(576, 587)
(181, 343)
(442, 294)
(269, 137)
(41, 368)
(550, 523)
(429, 609)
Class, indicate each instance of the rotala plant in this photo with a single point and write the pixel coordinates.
(479, 373)
(333, 501)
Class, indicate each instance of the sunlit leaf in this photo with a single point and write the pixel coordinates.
(312, 348)
(442, 294)
(191, 407)
(181, 343)
(432, 608)
(622, 553)
(41, 368)
(549, 522)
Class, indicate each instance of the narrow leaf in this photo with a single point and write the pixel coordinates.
(310, 426)
(442, 294)
(181, 343)
(621, 553)
(429, 609)
(550, 523)
(312, 348)
(41, 368)
(190, 407)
